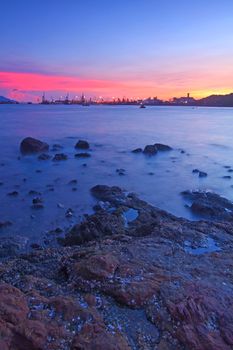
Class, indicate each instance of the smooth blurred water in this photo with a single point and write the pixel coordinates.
(206, 135)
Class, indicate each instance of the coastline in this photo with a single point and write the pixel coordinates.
(91, 294)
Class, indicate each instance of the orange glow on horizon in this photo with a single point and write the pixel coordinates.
(29, 86)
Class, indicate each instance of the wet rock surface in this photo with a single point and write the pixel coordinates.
(126, 284)
(210, 205)
(31, 145)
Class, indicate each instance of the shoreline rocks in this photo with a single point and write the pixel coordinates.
(123, 287)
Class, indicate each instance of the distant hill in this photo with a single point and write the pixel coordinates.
(217, 100)
(6, 100)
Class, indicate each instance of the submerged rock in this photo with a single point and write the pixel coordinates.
(44, 156)
(200, 173)
(82, 155)
(59, 157)
(31, 145)
(82, 144)
(137, 150)
(13, 194)
(4, 224)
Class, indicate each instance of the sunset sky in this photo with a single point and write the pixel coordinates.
(118, 48)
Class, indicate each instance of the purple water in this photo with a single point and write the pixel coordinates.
(204, 133)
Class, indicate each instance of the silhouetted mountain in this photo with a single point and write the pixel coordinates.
(217, 100)
(6, 100)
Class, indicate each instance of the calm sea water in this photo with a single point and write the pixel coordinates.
(205, 134)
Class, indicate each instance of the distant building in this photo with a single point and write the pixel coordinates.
(183, 100)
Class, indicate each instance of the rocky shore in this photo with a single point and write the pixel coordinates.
(130, 276)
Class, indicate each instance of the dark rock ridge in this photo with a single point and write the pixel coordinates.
(155, 282)
(82, 144)
(31, 145)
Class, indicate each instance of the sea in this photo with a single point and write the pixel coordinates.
(200, 137)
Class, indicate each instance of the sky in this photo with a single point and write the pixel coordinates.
(115, 48)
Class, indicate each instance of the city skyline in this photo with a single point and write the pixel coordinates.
(134, 50)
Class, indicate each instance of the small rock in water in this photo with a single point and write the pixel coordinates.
(60, 156)
(230, 170)
(82, 144)
(44, 156)
(202, 174)
(150, 150)
(227, 177)
(38, 171)
(73, 182)
(84, 165)
(82, 155)
(4, 224)
(31, 145)
(137, 150)
(13, 194)
(37, 203)
(56, 147)
(69, 213)
(1, 183)
(34, 193)
(120, 171)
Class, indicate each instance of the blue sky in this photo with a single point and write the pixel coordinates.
(168, 46)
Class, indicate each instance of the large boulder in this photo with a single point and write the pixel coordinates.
(31, 145)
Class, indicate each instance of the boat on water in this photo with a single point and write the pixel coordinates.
(142, 105)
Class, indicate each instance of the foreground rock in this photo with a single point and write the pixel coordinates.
(31, 145)
(142, 280)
